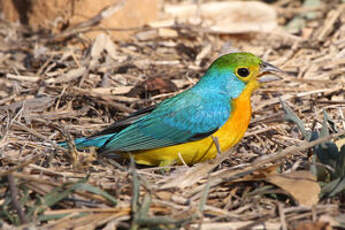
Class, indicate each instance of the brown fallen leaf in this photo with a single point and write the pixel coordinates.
(301, 185)
(153, 86)
(320, 225)
(261, 174)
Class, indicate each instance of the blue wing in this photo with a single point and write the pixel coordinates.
(185, 117)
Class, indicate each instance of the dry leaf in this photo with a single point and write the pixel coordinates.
(314, 226)
(67, 77)
(239, 225)
(37, 104)
(191, 175)
(146, 35)
(111, 90)
(226, 17)
(301, 185)
(164, 195)
(103, 42)
(260, 174)
(167, 33)
(153, 86)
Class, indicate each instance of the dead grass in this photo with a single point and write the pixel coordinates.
(51, 90)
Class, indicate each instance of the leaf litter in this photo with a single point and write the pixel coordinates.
(51, 92)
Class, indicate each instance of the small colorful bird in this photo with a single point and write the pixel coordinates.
(182, 128)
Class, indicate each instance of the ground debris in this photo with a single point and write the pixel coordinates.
(52, 90)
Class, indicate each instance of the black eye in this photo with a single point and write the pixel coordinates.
(243, 72)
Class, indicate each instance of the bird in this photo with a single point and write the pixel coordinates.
(183, 129)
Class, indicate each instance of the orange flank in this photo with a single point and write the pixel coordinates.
(192, 152)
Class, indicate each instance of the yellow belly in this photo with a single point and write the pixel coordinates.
(192, 152)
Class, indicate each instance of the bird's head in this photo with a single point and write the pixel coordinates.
(233, 73)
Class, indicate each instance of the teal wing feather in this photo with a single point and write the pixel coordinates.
(185, 117)
(99, 139)
(84, 142)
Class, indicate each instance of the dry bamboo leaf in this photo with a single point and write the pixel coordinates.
(69, 76)
(112, 90)
(227, 17)
(103, 42)
(30, 105)
(190, 176)
(146, 35)
(23, 78)
(167, 33)
(164, 195)
(239, 224)
(301, 185)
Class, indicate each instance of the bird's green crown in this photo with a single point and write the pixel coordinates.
(232, 60)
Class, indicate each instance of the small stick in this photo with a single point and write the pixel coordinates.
(15, 202)
(203, 198)
(135, 196)
(145, 207)
(202, 203)
(282, 217)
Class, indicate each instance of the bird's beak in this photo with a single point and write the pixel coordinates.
(268, 68)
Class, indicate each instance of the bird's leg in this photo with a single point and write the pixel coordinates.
(216, 142)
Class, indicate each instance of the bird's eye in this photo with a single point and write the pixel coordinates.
(243, 72)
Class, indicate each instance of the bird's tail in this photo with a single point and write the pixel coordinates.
(85, 142)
